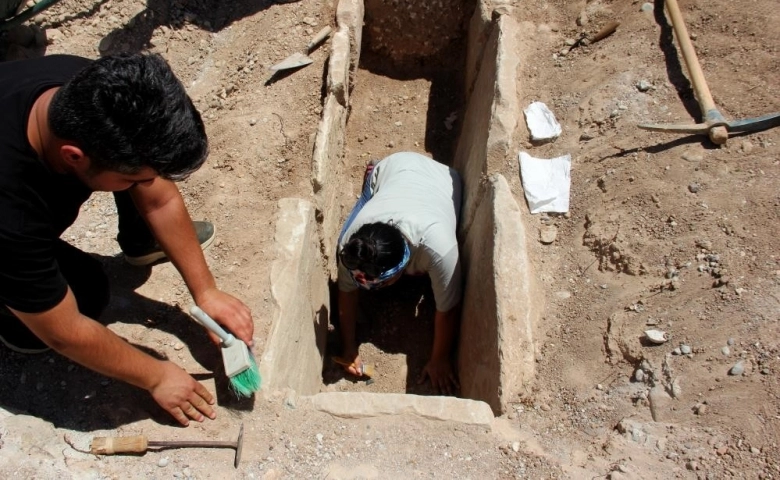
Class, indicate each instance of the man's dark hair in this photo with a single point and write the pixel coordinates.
(127, 112)
(374, 248)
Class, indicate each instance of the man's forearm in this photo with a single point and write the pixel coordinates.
(92, 345)
(172, 227)
(444, 332)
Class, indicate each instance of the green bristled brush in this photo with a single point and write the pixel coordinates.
(240, 365)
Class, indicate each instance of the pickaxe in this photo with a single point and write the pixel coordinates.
(715, 125)
(140, 444)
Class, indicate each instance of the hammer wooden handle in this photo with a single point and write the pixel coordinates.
(112, 445)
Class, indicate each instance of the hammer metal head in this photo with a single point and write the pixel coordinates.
(239, 445)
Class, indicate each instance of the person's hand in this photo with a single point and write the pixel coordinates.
(356, 366)
(442, 376)
(181, 395)
(228, 311)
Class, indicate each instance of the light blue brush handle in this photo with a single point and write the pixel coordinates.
(203, 318)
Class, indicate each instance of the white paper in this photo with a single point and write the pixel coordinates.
(546, 182)
(541, 122)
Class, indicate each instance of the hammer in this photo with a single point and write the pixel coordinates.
(139, 444)
(714, 124)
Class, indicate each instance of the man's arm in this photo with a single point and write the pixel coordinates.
(162, 206)
(94, 346)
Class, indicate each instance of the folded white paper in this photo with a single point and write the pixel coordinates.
(541, 122)
(546, 182)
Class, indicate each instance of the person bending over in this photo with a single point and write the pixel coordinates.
(120, 124)
(404, 222)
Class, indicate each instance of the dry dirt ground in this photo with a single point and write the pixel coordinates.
(665, 232)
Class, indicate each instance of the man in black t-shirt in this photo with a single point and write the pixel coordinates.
(72, 126)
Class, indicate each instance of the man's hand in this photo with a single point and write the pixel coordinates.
(442, 375)
(228, 311)
(183, 397)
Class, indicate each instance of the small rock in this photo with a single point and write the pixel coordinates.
(746, 147)
(390, 144)
(547, 234)
(694, 187)
(187, 472)
(545, 407)
(685, 349)
(639, 375)
(765, 371)
(725, 351)
(700, 409)
(730, 342)
(656, 336)
(643, 85)
(178, 346)
(319, 437)
(692, 465)
(737, 369)
(516, 446)
(582, 19)
(677, 351)
(691, 156)
(163, 462)
(252, 122)
(585, 136)
(704, 244)
(647, 7)
(754, 450)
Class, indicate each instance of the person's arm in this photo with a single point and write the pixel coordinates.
(439, 368)
(348, 304)
(162, 206)
(94, 346)
(444, 271)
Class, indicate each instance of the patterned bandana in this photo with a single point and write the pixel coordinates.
(368, 282)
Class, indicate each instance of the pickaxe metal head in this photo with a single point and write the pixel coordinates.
(714, 127)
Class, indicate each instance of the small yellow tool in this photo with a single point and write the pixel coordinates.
(365, 369)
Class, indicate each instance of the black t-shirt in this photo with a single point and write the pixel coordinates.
(36, 204)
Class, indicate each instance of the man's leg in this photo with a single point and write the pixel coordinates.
(136, 240)
(89, 284)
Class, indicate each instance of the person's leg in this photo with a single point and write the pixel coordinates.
(136, 240)
(89, 284)
(365, 195)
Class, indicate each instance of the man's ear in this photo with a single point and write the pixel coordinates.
(73, 156)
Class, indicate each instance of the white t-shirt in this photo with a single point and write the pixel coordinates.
(421, 197)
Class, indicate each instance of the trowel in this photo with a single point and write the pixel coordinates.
(298, 59)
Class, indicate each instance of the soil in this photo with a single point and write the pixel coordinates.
(666, 232)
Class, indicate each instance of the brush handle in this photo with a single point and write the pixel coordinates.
(203, 318)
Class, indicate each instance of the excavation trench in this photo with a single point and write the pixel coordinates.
(396, 83)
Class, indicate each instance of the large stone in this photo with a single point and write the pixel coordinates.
(32, 448)
(501, 302)
(328, 192)
(361, 405)
(338, 67)
(349, 14)
(299, 286)
(478, 35)
(491, 115)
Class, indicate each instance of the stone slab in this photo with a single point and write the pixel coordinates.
(349, 14)
(361, 405)
(501, 302)
(338, 67)
(492, 113)
(299, 287)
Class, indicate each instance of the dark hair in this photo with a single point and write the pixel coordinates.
(374, 248)
(127, 112)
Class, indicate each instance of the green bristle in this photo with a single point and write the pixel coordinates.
(247, 382)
